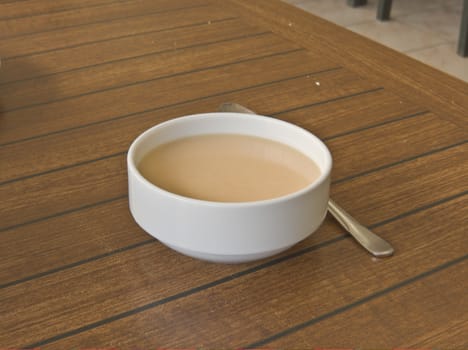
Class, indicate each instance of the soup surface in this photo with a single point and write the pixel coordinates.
(228, 168)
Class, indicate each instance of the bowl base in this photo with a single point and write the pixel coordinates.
(226, 259)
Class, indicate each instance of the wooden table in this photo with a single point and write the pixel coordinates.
(81, 79)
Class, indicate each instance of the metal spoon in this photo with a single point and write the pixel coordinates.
(369, 240)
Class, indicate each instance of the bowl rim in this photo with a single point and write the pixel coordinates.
(324, 176)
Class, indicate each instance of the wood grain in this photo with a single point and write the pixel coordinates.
(102, 31)
(339, 117)
(60, 191)
(439, 317)
(443, 94)
(377, 190)
(452, 336)
(410, 137)
(120, 135)
(78, 57)
(171, 61)
(85, 184)
(61, 149)
(68, 239)
(160, 92)
(88, 15)
(81, 79)
(12, 9)
(294, 298)
(406, 186)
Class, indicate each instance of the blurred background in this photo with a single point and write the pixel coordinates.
(426, 30)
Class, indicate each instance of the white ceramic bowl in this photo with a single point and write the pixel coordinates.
(228, 232)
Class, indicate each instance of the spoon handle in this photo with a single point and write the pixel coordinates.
(234, 108)
(369, 240)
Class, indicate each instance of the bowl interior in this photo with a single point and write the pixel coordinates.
(233, 123)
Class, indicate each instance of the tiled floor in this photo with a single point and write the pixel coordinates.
(426, 30)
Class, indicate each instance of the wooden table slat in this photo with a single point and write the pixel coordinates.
(50, 194)
(411, 137)
(78, 57)
(63, 231)
(392, 204)
(138, 97)
(88, 15)
(68, 239)
(100, 32)
(61, 149)
(221, 51)
(12, 9)
(404, 186)
(295, 297)
(445, 322)
(81, 79)
(102, 179)
(443, 94)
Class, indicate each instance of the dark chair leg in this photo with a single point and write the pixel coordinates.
(463, 38)
(356, 3)
(383, 10)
